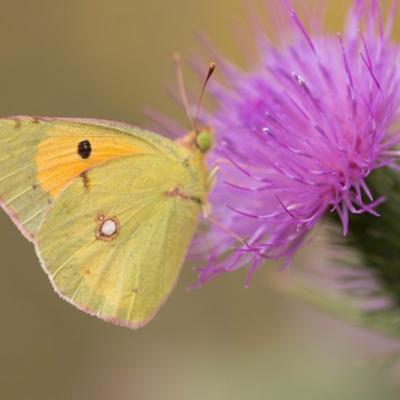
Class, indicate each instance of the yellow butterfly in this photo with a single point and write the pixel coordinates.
(110, 208)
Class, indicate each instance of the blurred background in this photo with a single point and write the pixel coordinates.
(112, 60)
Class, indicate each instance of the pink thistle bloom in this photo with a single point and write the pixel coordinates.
(298, 136)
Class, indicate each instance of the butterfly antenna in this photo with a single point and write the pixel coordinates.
(210, 72)
(181, 87)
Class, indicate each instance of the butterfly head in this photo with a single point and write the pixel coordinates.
(199, 140)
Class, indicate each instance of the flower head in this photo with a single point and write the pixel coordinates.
(298, 136)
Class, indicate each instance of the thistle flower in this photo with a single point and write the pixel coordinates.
(298, 136)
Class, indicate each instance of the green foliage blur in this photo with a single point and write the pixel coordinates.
(112, 60)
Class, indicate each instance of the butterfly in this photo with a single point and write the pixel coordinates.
(110, 208)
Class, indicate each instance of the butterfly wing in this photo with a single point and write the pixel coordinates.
(122, 272)
(39, 157)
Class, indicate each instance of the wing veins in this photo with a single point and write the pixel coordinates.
(134, 295)
(85, 246)
(137, 270)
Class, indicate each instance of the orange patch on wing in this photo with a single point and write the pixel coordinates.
(58, 161)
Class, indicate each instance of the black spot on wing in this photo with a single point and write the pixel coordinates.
(84, 149)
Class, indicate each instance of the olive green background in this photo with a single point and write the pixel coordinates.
(112, 59)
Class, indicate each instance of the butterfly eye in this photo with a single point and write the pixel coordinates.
(84, 149)
(205, 140)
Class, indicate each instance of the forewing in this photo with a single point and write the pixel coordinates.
(39, 157)
(123, 279)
